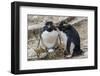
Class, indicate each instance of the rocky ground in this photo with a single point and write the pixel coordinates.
(35, 24)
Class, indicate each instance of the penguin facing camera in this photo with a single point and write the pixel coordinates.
(49, 36)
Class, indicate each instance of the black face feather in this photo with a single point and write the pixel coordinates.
(63, 26)
(49, 23)
(49, 26)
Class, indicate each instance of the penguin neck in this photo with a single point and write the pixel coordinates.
(49, 30)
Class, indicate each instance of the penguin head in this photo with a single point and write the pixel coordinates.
(62, 26)
(49, 26)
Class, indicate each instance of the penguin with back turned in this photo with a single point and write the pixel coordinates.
(70, 38)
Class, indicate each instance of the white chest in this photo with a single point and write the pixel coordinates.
(64, 39)
(49, 38)
(63, 36)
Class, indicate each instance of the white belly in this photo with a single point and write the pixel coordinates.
(49, 38)
(64, 39)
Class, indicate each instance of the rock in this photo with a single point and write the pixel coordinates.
(32, 54)
(43, 55)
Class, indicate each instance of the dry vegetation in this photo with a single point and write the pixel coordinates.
(35, 24)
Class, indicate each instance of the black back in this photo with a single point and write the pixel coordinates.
(72, 35)
(70, 31)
